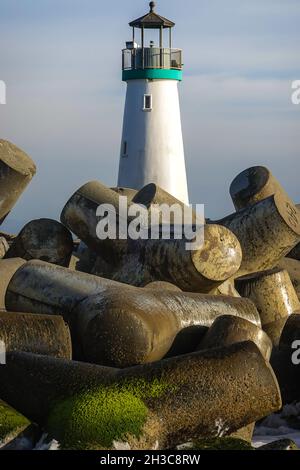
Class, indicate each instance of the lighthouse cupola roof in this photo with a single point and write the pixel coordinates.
(152, 20)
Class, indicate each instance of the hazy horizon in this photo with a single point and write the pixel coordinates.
(61, 62)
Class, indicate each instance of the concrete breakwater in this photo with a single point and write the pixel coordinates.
(149, 344)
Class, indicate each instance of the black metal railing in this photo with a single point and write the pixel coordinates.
(151, 58)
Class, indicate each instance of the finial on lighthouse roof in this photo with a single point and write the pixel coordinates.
(152, 5)
(152, 20)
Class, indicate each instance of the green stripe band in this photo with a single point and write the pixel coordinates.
(152, 74)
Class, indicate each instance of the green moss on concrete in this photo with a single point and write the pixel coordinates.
(11, 422)
(97, 418)
(222, 443)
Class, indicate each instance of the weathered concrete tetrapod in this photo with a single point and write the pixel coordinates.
(16, 171)
(134, 328)
(253, 185)
(267, 231)
(139, 262)
(117, 324)
(157, 285)
(195, 385)
(227, 288)
(272, 292)
(274, 330)
(200, 270)
(293, 268)
(7, 270)
(44, 239)
(227, 330)
(40, 334)
(127, 192)
(295, 253)
(151, 195)
(80, 216)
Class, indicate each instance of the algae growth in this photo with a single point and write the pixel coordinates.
(97, 418)
(11, 422)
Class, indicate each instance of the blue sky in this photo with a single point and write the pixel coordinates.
(61, 61)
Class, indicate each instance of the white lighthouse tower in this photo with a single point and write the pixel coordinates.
(152, 146)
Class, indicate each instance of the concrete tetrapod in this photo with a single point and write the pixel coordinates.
(40, 334)
(114, 323)
(295, 253)
(43, 239)
(227, 330)
(162, 285)
(94, 407)
(16, 171)
(200, 270)
(253, 185)
(80, 216)
(267, 231)
(153, 195)
(293, 268)
(272, 292)
(142, 261)
(127, 192)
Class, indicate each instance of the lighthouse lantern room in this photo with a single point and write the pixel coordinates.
(152, 146)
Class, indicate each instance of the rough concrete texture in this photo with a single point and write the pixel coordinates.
(227, 288)
(80, 216)
(254, 185)
(267, 231)
(274, 330)
(272, 292)
(157, 285)
(228, 330)
(40, 334)
(116, 324)
(199, 270)
(139, 262)
(293, 268)
(127, 192)
(207, 404)
(16, 171)
(43, 239)
(7, 270)
(152, 195)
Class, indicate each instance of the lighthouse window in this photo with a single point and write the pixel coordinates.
(147, 102)
(124, 151)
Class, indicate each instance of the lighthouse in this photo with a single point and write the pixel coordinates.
(152, 148)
